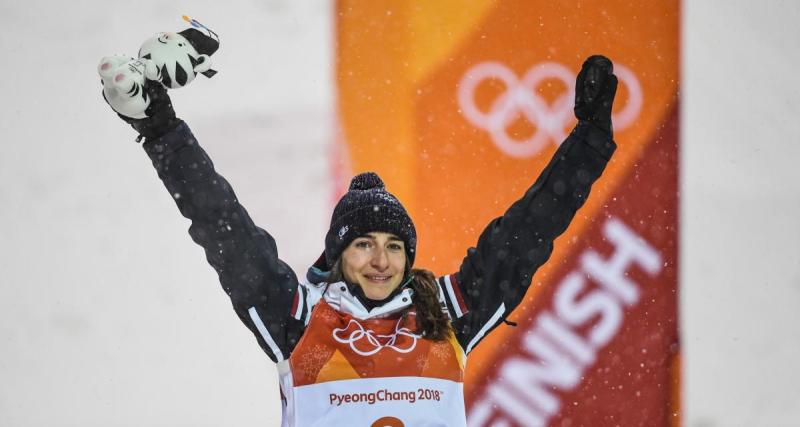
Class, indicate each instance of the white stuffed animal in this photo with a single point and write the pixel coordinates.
(173, 59)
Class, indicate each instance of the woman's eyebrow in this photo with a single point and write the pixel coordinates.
(390, 238)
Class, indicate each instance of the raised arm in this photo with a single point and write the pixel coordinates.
(496, 273)
(260, 285)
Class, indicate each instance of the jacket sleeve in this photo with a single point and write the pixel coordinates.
(496, 273)
(261, 287)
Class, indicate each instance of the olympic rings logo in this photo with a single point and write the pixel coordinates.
(520, 97)
(373, 340)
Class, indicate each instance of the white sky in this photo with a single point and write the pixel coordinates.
(110, 316)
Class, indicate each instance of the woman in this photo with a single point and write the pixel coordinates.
(364, 338)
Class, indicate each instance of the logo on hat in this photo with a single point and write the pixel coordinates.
(343, 231)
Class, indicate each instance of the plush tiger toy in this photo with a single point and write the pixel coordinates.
(173, 59)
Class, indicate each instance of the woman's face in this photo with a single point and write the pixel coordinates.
(376, 262)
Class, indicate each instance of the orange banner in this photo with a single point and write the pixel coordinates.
(459, 106)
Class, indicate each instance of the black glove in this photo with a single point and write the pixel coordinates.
(594, 92)
(160, 115)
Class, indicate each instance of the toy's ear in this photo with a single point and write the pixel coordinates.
(202, 64)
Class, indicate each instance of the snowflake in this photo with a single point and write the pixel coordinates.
(312, 360)
(442, 351)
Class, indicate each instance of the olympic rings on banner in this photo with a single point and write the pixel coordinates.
(520, 97)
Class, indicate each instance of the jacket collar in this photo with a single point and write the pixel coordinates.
(341, 299)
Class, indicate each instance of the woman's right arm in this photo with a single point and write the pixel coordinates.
(260, 285)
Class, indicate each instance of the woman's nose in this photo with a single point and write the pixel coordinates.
(379, 259)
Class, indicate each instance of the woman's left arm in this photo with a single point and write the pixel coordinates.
(496, 273)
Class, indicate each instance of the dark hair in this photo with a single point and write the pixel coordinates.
(432, 322)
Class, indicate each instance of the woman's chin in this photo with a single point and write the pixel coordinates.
(376, 295)
(378, 291)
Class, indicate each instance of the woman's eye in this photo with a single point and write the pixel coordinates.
(362, 244)
(395, 247)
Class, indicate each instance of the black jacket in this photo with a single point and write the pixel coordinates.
(492, 279)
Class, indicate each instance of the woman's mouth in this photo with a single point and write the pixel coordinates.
(378, 279)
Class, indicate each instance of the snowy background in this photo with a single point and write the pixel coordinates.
(110, 316)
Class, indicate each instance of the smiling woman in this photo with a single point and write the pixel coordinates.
(376, 262)
(364, 337)
(371, 246)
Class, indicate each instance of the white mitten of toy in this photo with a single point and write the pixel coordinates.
(171, 59)
(123, 84)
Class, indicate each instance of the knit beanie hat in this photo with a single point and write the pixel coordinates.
(368, 207)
